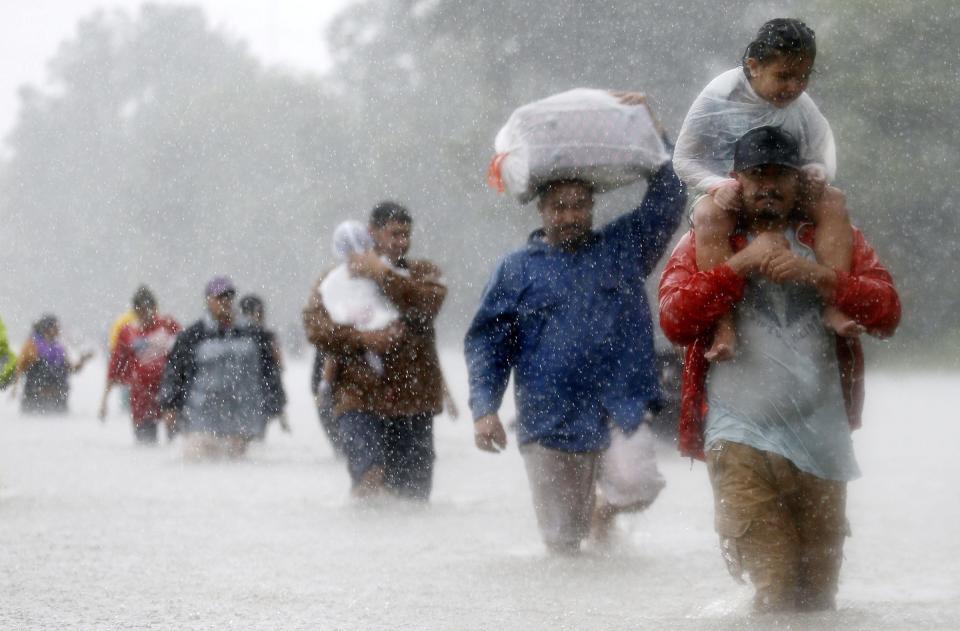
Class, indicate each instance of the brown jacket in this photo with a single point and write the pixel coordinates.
(411, 382)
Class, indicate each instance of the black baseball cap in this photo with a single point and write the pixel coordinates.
(766, 145)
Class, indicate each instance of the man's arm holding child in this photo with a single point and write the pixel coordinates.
(421, 292)
(340, 339)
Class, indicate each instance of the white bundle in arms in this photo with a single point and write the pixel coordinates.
(581, 134)
(354, 300)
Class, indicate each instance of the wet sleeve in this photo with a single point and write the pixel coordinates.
(818, 147)
(275, 398)
(691, 301)
(490, 345)
(118, 368)
(323, 332)
(700, 157)
(644, 233)
(421, 294)
(173, 386)
(28, 355)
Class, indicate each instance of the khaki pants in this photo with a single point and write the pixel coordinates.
(784, 527)
(563, 488)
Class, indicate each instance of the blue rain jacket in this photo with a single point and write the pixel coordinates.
(575, 328)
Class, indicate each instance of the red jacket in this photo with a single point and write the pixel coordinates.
(138, 360)
(692, 301)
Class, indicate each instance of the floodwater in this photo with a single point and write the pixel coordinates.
(98, 534)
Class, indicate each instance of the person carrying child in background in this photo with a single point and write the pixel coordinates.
(768, 89)
(353, 300)
(388, 385)
(359, 302)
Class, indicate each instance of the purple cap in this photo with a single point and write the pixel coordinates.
(220, 286)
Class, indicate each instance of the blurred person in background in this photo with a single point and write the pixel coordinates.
(45, 368)
(221, 383)
(322, 390)
(8, 359)
(113, 335)
(127, 317)
(137, 360)
(253, 315)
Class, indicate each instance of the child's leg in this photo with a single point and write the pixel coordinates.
(834, 234)
(712, 227)
(833, 246)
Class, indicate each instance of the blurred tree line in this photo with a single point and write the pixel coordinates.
(164, 152)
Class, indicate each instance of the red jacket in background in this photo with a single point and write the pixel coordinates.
(138, 360)
(692, 301)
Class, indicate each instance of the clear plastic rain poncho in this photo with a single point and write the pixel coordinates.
(354, 300)
(581, 134)
(728, 108)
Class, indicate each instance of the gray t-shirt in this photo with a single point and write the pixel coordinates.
(781, 393)
(227, 394)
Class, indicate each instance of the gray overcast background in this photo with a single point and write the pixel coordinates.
(283, 32)
(169, 142)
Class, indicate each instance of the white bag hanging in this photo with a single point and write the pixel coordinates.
(628, 469)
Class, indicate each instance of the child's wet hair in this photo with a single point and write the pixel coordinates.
(781, 37)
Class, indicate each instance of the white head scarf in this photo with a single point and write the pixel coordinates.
(351, 237)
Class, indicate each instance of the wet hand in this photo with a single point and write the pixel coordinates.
(367, 265)
(727, 196)
(488, 434)
(638, 98)
(785, 266)
(758, 252)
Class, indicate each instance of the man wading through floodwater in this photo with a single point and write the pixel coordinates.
(775, 420)
(568, 315)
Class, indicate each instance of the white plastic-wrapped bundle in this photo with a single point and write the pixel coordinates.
(728, 108)
(581, 134)
(354, 300)
(628, 469)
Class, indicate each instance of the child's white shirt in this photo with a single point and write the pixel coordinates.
(728, 108)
